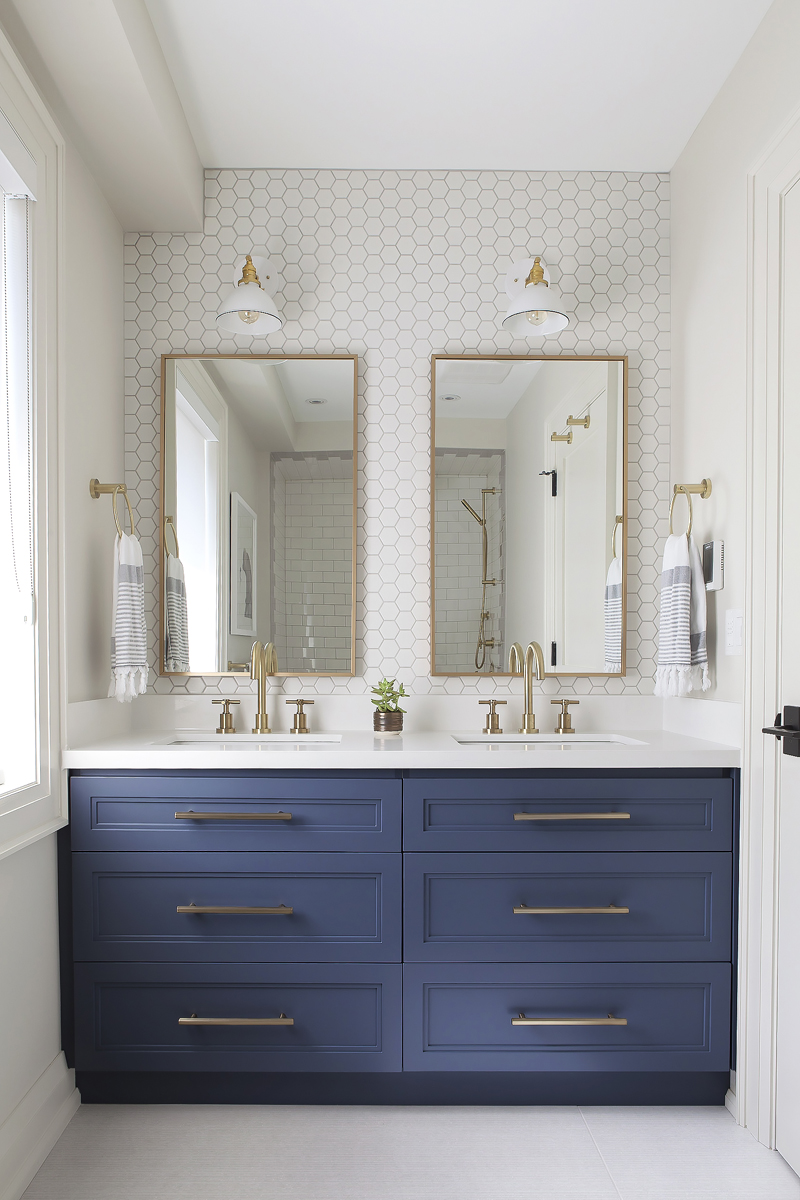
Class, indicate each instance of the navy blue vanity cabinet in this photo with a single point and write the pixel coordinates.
(237, 922)
(246, 907)
(568, 810)
(506, 937)
(583, 1017)
(567, 907)
(192, 1017)
(569, 922)
(235, 811)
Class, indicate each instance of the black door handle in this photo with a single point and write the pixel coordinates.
(787, 729)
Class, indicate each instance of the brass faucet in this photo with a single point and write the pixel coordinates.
(263, 662)
(524, 665)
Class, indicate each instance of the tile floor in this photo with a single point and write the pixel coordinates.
(137, 1152)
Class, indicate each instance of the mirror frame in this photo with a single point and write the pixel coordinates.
(623, 358)
(165, 358)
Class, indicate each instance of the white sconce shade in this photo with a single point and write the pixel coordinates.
(248, 310)
(536, 308)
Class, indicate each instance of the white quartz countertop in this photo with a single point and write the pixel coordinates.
(182, 750)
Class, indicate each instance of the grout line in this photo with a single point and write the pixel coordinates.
(600, 1152)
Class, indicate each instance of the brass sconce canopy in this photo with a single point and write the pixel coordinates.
(537, 273)
(249, 273)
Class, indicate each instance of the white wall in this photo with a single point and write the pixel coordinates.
(29, 978)
(37, 1094)
(93, 395)
(709, 290)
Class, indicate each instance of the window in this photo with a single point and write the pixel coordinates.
(19, 757)
(32, 785)
(197, 437)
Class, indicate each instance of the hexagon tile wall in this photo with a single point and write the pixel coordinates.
(396, 266)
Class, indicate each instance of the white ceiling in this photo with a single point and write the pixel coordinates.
(449, 84)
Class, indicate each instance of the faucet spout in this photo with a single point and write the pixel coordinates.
(532, 661)
(263, 662)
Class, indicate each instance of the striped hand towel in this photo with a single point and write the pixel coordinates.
(176, 650)
(128, 628)
(682, 652)
(613, 611)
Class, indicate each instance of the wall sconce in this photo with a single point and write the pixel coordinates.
(536, 308)
(248, 310)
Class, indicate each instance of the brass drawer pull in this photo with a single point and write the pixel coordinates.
(524, 910)
(280, 911)
(195, 1020)
(223, 816)
(609, 1020)
(589, 816)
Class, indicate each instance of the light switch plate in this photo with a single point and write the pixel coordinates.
(734, 631)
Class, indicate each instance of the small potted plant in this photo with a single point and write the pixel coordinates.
(388, 716)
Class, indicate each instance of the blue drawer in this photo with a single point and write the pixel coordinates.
(343, 907)
(459, 1018)
(345, 1018)
(264, 812)
(495, 813)
(465, 907)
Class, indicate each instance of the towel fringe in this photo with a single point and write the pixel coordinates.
(127, 683)
(680, 681)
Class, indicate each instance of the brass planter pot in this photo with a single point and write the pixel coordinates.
(387, 722)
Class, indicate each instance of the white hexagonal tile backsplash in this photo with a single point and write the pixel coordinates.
(395, 266)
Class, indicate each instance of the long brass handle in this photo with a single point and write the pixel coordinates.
(195, 1020)
(280, 911)
(524, 910)
(588, 816)
(609, 1020)
(224, 816)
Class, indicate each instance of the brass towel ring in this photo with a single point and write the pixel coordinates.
(98, 489)
(680, 491)
(617, 523)
(169, 523)
(120, 488)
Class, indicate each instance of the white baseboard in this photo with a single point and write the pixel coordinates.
(732, 1104)
(28, 1135)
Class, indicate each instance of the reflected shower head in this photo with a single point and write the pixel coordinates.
(470, 509)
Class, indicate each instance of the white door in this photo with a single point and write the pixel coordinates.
(787, 1102)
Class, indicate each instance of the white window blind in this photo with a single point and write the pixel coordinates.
(19, 740)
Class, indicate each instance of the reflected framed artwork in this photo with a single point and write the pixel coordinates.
(244, 543)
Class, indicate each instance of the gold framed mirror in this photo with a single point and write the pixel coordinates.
(529, 512)
(257, 512)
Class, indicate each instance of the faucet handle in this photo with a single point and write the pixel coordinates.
(492, 719)
(564, 717)
(225, 717)
(300, 724)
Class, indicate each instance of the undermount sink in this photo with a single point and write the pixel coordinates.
(246, 741)
(511, 741)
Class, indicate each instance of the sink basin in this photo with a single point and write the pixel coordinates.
(247, 741)
(528, 741)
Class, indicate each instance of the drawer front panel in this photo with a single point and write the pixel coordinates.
(461, 907)
(344, 906)
(345, 1018)
(459, 1018)
(264, 813)
(487, 814)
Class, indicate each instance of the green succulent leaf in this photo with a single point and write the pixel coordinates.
(388, 692)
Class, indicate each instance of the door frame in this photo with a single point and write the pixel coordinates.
(752, 1098)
